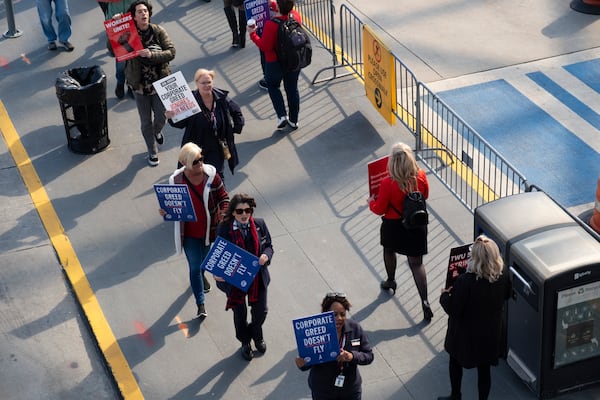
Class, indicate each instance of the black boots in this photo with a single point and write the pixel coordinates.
(237, 26)
(230, 14)
(242, 26)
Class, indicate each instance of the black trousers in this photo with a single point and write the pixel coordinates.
(484, 379)
(244, 330)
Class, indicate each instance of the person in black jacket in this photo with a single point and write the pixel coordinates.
(212, 129)
(242, 229)
(340, 380)
(475, 305)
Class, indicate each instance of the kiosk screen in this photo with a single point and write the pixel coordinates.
(577, 324)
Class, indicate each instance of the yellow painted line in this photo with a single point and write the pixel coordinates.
(463, 171)
(70, 263)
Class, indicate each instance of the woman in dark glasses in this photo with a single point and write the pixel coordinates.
(210, 200)
(340, 380)
(242, 229)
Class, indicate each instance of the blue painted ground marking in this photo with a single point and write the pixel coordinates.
(548, 154)
(587, 72)
(562, 95)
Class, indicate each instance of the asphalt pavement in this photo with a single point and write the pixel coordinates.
(94, 304)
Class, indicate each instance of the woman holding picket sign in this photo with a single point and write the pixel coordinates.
(251, 234)
(340, 379)
(405, 177)
(210, 199)
(274, 73)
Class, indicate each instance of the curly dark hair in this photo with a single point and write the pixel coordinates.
(136, 3)
(285, 6)
(329, 299)
(237, 199)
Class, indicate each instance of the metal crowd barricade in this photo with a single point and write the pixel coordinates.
(318, 18)
(464, 161)
(351, 41)
(407, 94)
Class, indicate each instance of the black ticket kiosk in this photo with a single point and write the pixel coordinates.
(553, 319)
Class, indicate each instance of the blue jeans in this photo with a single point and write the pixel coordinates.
(148, 105)
(61, 11)
(120, 72)
(274, 75)
(195, 251)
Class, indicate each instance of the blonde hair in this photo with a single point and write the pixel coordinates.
(204, 71)
(485, 261)
(188, 153)
(403, 167)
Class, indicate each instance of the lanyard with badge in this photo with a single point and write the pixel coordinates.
(339, 380)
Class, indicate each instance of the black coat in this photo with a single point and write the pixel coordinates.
(199, 129)
(265, 247)
(475, 311)
(321, 378)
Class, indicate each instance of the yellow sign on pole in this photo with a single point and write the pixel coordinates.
(380, 75)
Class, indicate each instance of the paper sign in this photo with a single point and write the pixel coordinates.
(377, 170)
(259, 11)
(457, 263)
(176, 201)
(176, 96)
(232, 263)
(123, 37)
(316, 338)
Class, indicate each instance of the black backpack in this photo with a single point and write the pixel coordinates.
(414, 211)
(294, 50)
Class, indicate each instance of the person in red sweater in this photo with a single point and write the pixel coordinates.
(405, 177)
(274, 75)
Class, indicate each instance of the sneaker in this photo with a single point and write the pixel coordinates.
(207, 286)
(293, 125)
(247, 352)
(261, 346)
(159, 138)
(120, 90)
(130, 92)
(201, 313)
(153, 160)
(282, 122)
(263, 84)
(67, 45)
(52, 46)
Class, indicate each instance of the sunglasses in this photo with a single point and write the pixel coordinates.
(340, 295)
(197, 160)
(240, 211)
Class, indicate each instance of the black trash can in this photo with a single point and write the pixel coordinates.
(81, 94)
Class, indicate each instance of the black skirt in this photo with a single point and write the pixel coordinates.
(396, 237)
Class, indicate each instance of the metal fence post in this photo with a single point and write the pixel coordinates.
(12, 31)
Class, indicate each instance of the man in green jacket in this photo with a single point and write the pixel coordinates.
(150, 65)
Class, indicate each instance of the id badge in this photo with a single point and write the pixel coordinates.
(339, 381)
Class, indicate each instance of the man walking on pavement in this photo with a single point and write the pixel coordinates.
(61, 12)
(150, 65)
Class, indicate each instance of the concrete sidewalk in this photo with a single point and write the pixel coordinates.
(310, 186)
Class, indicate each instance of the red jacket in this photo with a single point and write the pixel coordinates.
(390, 193)
(268, 42)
